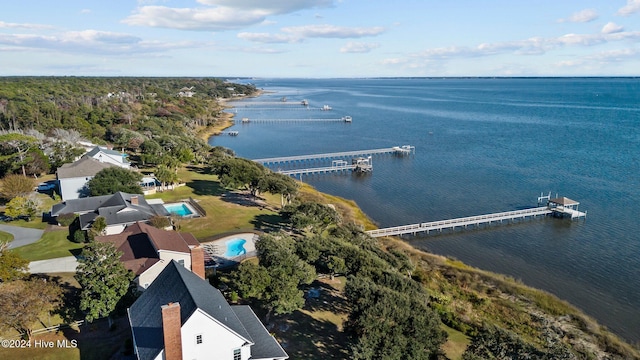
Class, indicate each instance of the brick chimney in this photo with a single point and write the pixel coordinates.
(171, 324)
(197, 261)
(134, 200)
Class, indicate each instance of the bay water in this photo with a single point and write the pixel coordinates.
(482, 146)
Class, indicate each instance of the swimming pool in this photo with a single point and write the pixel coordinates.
(235, 247)
(180, 209)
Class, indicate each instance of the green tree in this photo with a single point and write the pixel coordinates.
(336, 265)
(251, 280)
(12, 265)
(151, 152)
(287, 272)
(283, 185)
(165, 175)
(239, 173)
(15, 147)
(312, 216)
(103, 278)
(98, 227)
(14, 185)
(391, 324)
(22, 302)
(22, 206)
(113, 179)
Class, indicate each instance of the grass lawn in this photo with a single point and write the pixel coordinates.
(456, 343)
(5, 237)
(53, 244)
(226, 211)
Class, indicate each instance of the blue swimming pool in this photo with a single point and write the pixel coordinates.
(235, 247)
(180, 209)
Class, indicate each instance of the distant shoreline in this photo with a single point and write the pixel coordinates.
(227, 118)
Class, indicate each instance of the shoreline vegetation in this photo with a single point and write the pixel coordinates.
(463, 295)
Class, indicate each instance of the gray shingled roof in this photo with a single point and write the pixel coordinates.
(111, 208)
(105, 150)
(265, 347)
(177, 284)
(86, 166)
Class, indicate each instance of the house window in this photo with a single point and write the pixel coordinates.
(199, 339)
(237, 354)
(181, 262)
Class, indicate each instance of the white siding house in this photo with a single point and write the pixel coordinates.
(181, 316)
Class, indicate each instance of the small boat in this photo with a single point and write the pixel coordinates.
(347, 118)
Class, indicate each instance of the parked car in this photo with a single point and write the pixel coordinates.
(46, 186)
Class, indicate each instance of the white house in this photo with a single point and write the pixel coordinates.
(119, 210)
(109, 156)
(181, 316)
(72, 178)
(146, 251)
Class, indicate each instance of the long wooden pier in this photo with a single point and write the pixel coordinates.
(561, 207)
(252, 120)
(400, 150)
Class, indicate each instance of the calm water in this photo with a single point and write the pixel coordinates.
(482, 146)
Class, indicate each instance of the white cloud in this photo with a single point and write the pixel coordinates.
(218, 15)
(6, 25)
(611, 28)
(89, 42)
(582, 16)
(632, 7)
(332, 31)
(615, 55)
(296, 34)
(210, 19)
(531, 46)
(570, 63)
(358, 47)
(270, 6)
(85, 11)
(269, 38)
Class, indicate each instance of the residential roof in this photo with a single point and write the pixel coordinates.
(177, 284)
(86, 166)
(564, 201)
(105, 150)
(265, 347)
(116, 209)
(140, 243)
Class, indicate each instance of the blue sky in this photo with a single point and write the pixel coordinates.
(320, 38)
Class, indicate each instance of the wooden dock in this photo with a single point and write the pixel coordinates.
(399, 150)
(559, 207)
(246, 120)
(361, 165)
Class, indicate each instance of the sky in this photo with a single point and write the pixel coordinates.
(320, 38)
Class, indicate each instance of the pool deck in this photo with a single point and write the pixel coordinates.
(216, 249)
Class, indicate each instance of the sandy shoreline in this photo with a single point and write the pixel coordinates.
(225, 118)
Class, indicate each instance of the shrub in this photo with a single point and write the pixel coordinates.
(79, 237)
(160, 222)
(66, 219)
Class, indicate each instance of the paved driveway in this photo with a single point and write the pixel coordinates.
(63, 264)
(21, 236)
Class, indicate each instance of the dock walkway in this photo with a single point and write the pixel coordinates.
(402, 150)
(270, 120)
(554, 207)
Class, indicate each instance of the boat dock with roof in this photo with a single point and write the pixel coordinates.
(558, 207)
